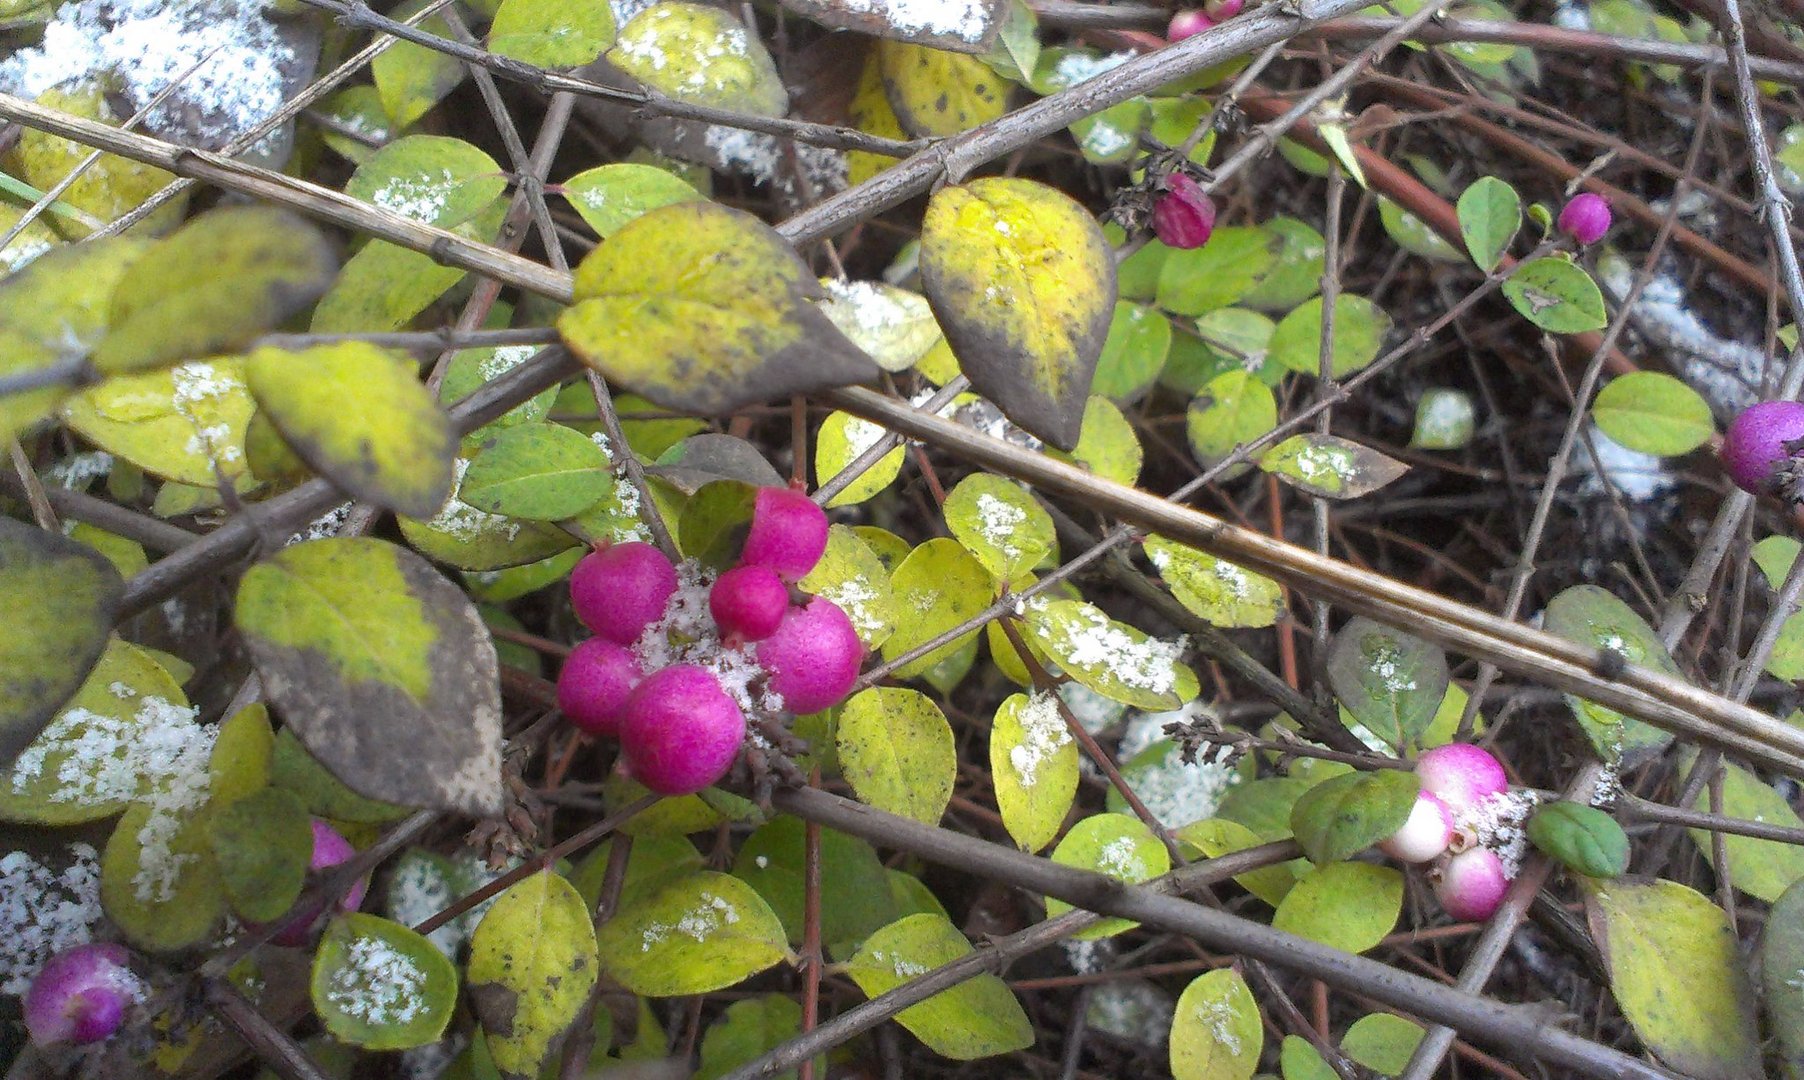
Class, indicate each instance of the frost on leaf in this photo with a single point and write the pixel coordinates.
(377, 983)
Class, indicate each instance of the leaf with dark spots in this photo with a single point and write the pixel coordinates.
(533, 961)
(382, 667)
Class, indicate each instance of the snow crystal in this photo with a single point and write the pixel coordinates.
(1131, 1009)
(687, 634)
(1120, 858)
(1317, 462)
(227, 55)
(861, 435)
(421, 197)
(1077, 67)
(1094, 711)
(77, 471)
(377, 983)
(759, 155)
(901, 965)
(713, 914)
(1177, 793)
(997, 520)
(44, 911)
(327, 524)
(1384, 659)
(197, 384)
(1043, 734)
(1101, 645)
(856, 598)
(158, 756)
(22, 250)
(1498, 822)
(963, 19)
(465, 522)
(1219, 1017)
(418, 889)
(1640, 477)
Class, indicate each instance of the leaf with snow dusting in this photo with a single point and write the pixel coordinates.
(1111, 658)
(851, 575)
(840, 441)
(1215, 1029)
(1033, 760)
(937, 587)
(1330, 467)
(184, 423)
(1000, 523)
(378, 985)
(1592, 615)
(1389, 681)
(609, 196)
(1117, 845)
(977, 1018)
(702, 932)
(1215, 589)
(892, 324)
(702, 55)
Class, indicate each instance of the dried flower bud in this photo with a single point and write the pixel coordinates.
(1183, 216)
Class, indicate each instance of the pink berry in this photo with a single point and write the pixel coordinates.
(622, 589)
(748, 602)
(1183, 216)
(594, 684)
(813, 658)
(329, 849)
(788, 534)
(1471, 885)
(1222, 10)
(1188, 24)
(680, 731)
(1425, 835)
(81, 995)
(1758, 449)
(1586, 218)
(1461, 774)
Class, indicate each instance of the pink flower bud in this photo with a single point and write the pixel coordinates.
(1183, 216)
(1586, 218)
(1758, 448)
(1462, 775)
(1425, 835)
(1188, 24)
(1471, 885)
(81, 995)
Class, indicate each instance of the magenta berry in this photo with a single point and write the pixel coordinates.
(1425, 835)
(329, 849)
(1759, 449)
(1462, 775)
(593, 686)
(1471, 885)
(680, 731)
(81, 995)
(748, 602)
(620, 590)
(788, 534)
(1223, 10)
(1183, 216)
(1586, 218)
(813, 658)
(1188, 24)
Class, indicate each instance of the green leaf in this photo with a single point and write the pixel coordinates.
(1413, 235)
(939, 586)
(895, 749)
(1114, 844)
(1335, 135)
(701, 55)
(1296, 271)
(1133, 354)
(157, 881)
(552, 33)
(1000, 523)
(1592, 616)
(1654, 414)
(1490, 213)
(532, 961)
(383, 668)
(358, 108)
(1382, 1042)
(1226, 339)
(1218, 836)
(978, 1018)
(1330, 467)
(1556, 295)
(292, 768)
(855, 898)
(62, 299)
(1016, 49)
(1233, 408)
(542, 472)
(1360, 327)
(1344, 815)
(432, 179)
(1761, 868)
(185, 424)
(893, 325)
(1107, 444)
(746, 1030)
(842, 437)
(851, 575)
(383, 287)
(1677, 974)
(1214, 589)
(697, 934)
(1782, 974)
(704, 309)
(1218, 274)
(654, 861)
(212, 286)
(1111, 658)
(410, 78)
(262, 844)
(1021, 280)
(378, 985)
(243, 755)
(362, 418)
(1387, 680)
(1215, 1029)
(1033, 764)
(1583, 838)
(1345, 905)
(82, 767)
(1775, 555)
(470, 368)
(470, 539)
(939, 93)
(62, 596)
(609, 196)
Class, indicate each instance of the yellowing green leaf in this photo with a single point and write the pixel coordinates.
(609, 196)
(382, 667)
(532, 962)
(1215, 1029)
(1000, 523)
(110, 188)
(432, 179)
(460, 535)
(1329, 466)
(1114, 844)
(261, 845)
(895, 749)
(541, 472)
(1653, 413)
(978, 1018)
(158, 883)
(1111, 658)
(1215, 589)
(552, 33)
(841, 439)
(935, 92)
(893, 325)
(870, 112)
(1344, 905)
(701, 54)
(851, 575)
(1106, 445)
(699, 933)
(1761, 868)
(382, 287)
(59, 302)
(1231, 409)
(182, 424)
(1021, 280)
(1033, 761)
(410, 78)
(361, 416)
(1592, 616)
(704, 309)
(378, 985)
(939, 586)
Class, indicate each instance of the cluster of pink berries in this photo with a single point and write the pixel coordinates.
(1458, 780)
(679, 728)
